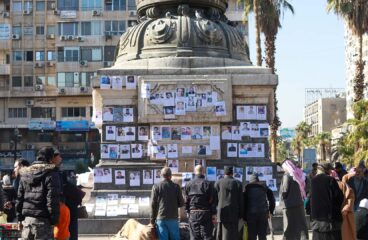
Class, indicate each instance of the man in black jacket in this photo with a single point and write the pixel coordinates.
(326, 201)
(229, 206)
(166, 199)
(39, 196)
(198, 204)
(359, 184)
(259, 203)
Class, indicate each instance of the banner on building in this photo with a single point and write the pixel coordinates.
(41, 125)
(72, 126)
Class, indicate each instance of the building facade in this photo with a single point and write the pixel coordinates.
(49, 52)
(325, 114)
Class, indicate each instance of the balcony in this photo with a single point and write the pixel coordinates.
(4, 69)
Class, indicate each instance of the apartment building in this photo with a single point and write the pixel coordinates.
(49, 52)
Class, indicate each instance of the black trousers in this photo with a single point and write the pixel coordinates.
(257, 226)
(200, 224)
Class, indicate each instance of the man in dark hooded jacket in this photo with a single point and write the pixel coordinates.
(39, 197)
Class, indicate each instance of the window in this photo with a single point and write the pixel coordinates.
(40, 80)
(40, 56)
(73, 112)
(51, 81)
(68, 79)
(91, 54)
(17, 56)
(68, 28)
(115, 5)
(68, 54)
(17, 6)
(39, 112)
(91, 5)
(51, 56)
(40, 30)
(17, 30)
(67, 5)
(27, 6)
(17, 81)
(28, 81)
(28, 31)
(109, 53)
(40, 6)
(91, 28)
(115, 27)
(85, 80)
(51, 29)
(131, 5)
(28, 56)
(17, 112)
(51, 5)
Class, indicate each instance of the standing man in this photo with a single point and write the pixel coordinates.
(229, 206)
(198, 204)
(326, 202)
(259, 204)
(19, 163)
(38, 199)
(341, 172)
(166, 199)
(359, 184)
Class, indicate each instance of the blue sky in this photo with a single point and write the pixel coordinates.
(309, 54)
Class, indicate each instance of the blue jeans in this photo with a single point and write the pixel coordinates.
(168, 229)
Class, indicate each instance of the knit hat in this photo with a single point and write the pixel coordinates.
(364, 203)
(45, 154)
(228, 170)
(253, 178)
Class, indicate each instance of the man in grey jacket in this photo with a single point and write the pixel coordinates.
(166, 199)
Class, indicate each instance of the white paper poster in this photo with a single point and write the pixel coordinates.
(186, 149)
(251, 112)
(157, 177)
(120, 177)
(117, 82)
(105, 82)
(128, 114)
(186, 177)
(226, 132)
(215, 143)
(108, 114)
(145, 90)
(172, 150)
(220, 109)
(131, 82)
(125, 151)
(144, 201)
(173, 165)
(133, 208)
(240, 112)
(235, 133)
(263, 130)
(113, 151)
(122, 210)
(137, 150)
(271, 183)
(134, 178)
(112, 211)
(143, 133)
(126, 199)
(104, 151)
(261, 112)
(147, 176)
(112, 199)
(232, 149)
(110, 133)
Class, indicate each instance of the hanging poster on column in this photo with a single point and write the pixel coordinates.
(117, 82)
(125, 151)
(134, 178)
(108, 114)
(128, 114)
(261, 112)
(104, 151)
(157, 178)
(105, 82)
(119, 177)
(131, 82)
(173, 165)
(172, 150)
(211, 173)
(137, 150)
(232, 150)
(148, 176)
(143, 133)
(110, 132)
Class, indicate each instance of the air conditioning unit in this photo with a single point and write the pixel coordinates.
(39, 65)
(27, 12)
(70, 37)
(83, 63)
(80, 39)
(96, 13)
(30, 146)
(29, 102)
(56, 12)
(62, 38)
(132, 13)
(83, 89)
(50, 64)
(62, 90)
(38, 87)
(53, 6)
(51, 36)
(15, 36)
(107, 64)
(6, 14)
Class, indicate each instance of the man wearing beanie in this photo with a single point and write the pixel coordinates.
(229, 206)
(259, 203)
(38, 197)
(198, 204)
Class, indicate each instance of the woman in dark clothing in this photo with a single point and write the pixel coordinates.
(9, 198)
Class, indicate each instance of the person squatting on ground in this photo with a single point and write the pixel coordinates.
(259, 204)
(166, 199)
(326, 205)
(229, 206)
(292, 193)
(38, 199)
(199, 195)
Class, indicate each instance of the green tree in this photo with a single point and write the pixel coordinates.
(301, 138)
(355, 13)
(323, 140)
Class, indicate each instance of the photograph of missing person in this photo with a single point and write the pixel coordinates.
(98, 175)
(137, 150)
(202, 150)
(120, 177)
(186, 133)
(107, 175)
(160, 152)
(143, 133)
(169, 112)
(220, 108)
(125, 151)
(104, 151)
(120, 134)
(232, 149)
(251, 112)
(129, 133)
(157, 177)
(110, 133)
(263, 130)
(191, 92)
(148, 176)
(105, 82)
(128, 114)
(169, 99)
(113, 151)
(226, 132)
(180, 106)
(186, 177)
(117, 82)
(254, 133)
(173, 165)
(271, 183)
(118, 114)
(220, 174)
(180, 92)
(166, 133)
(245, 128)
(243, 150)
(197, 133)
(176, 133)
(134, 178)
(131, 82)
(207, 132)
(235, 133)
(260, 150)
(191, 104)
(172, 150)
(240, 112)
(156, 133)
(262, 112)
(108, 114)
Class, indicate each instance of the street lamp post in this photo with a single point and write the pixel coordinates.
(15, 140)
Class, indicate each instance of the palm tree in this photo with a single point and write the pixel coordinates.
(271, 12)
(355, 14)
(323, 140)
(301, 137)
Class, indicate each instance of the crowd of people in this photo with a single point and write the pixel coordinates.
(41, 198)
(337, 202)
